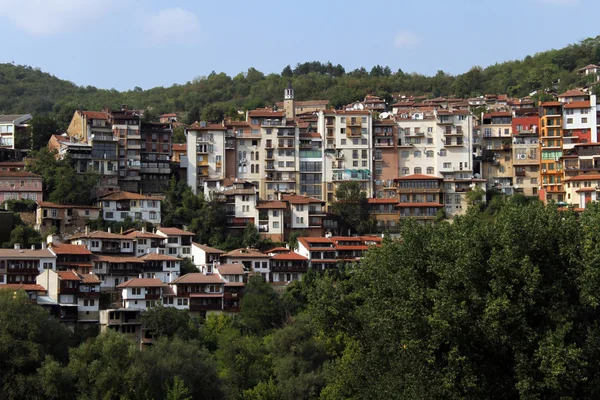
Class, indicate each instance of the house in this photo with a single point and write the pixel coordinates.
(10, 125)
(420, 197)
(234, 277)
(326, 252)
(145, 242)
(200, 293)
(65, 218)
(141, 293)
(79, 153)
(33, 290)
(161, 266)
(204, 256)
(115, 269)
(104, 242)
(17, 185)
(287, 267)
(251, 259)
(122, 320)
(119, 205)
(178, 242)
(72, 257)
(155, 156)
(70, 297)
(22, 266)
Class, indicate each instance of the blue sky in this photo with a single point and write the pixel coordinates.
(126, 43)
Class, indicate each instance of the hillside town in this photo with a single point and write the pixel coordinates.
(277, 169)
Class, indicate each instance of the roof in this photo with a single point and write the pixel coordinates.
(179, 146)
(497, 114)
(19, 174)
(586, 189)
(418, 177)
(158, 257)
(314, 135)
(291, 256)
(208, 249)
(90, 279)
(78, 249)
(578, 104)
(588, 177)
(275, 204)
(142, 282)
(552, 104)
(121, 195)
(26, 253)
(12, 117)
(68, 276)
(95, 114)
(168, 115)
(197, 277)
(206, 294)
(23, 286)
(117, 259)
(589, 66)
(383, 201)
(278, 250)
(297, 199)
(268, 113)
(174, 231)
(246, 253)
(208, 127)
(47, 204)
(424, 204)
(99, 235)
(231, 269)
(143, 235)
(573, 93)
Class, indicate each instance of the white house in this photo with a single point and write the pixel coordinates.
(19, 265)
(141, 293)
(9, 125)
(178, 242)
(161, 266)
(118, 205)
(204, 256)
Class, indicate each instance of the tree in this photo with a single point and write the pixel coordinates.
(179, 134)
(42, 127)
(351, 206)
(260, 307)
(475, 196)
(213, 113)
(178, 391)
(188, 266)
(251, 237)
(169, 322)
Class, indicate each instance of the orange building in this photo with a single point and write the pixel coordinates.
(551, 138)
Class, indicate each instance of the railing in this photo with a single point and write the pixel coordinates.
(353, 122)
(311, 154)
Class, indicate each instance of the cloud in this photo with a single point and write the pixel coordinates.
(406, 40)
(559, 2)
(171, 25)
(43, 17)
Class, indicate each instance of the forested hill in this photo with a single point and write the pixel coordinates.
(25, 89)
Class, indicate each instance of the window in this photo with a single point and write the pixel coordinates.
(343, 142)
(136, 291)
(447, 165)
(429, 170)
(417, 153)
(569, 120)
(404, 154)
(275, 224)
(417, 170)
(108, 215)
(429, 153)
(443, 153)
(584, 120)
(405, 171)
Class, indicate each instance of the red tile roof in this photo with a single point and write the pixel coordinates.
(231, 269)
(586, 189)
(246, 253)
(18, 174)
(23, 286)
(95, 114)
(174, 231)
(552, 104)
(267, 113)
(209, 126)
(297, 199)
(89, 279)
(208, 249)
(117, 259)
(418, 177)
(289, 257)
(47, 204)
(143, 235)
(588, 177)
(573, 93)
(121, 195)
(179, 147)
(158, 257)
(278, 250)
(198, 277)
(78, 249)
(578, 104)
(142, 282)
(270, 205)
(68, 276)
(383, 201)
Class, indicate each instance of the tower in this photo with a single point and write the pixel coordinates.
(288, 102)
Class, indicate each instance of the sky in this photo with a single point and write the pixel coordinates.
(122, 44)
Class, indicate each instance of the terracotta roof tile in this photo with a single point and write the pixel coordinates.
(198, 277)
(174, 231)
(23, 286)
(158, 257)
(142, 282)
(588, 177)
(231, 269)
(68, 276)
(578, 104)
(298, 199)
(18, 174)
(78, 249)
(117, 259)
(95, 114)
(208, 249)
(246, 253)
(289, 257)
(47, 204)
(573, 93)
(121, 195)
(99, 235)
(270, 205)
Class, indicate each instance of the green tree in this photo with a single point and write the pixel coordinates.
(251, 237)
(260, 307)
(351, 206)
(169, 322)
(179, 134)
(178, 391)
(42, 127)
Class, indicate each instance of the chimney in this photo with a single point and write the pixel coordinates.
(143, 229)
(33, 247)
(17, 246)
(87, 230)
(109, 230)
(44, 246)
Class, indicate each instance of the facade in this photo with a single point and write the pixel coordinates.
(287, 267)
(178, 243)
(551, 145)
(79, 153)
(161, 266)
(65, 218)
(145, 242)
(419, 197)
(10, 125)
(141, 293)
(325, 252)
(22, 266)
(119, 205)
(251, 259)
(526, 155)
(155, 156)
(206, 158)
(75, 257)
(200, 293)
(234, 277)
(20, 185)
(497, 155)
(205, 257)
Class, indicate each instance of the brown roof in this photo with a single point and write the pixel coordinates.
(588, 177)
(314, 135)
(23, 286)
(383, 201)
(573, 93)
(289, 257)
(142, 282)
(143, 235)
(268, 113)
(47, 204)
(246, 253)
(169, 115)
(552, 104)
(578, 104)
(174, 231)
(99, 235)
(180, 146)
(208, 249)
(231, 269)
(95, 114)
(68, 276)
(117, 259)
(198, 277)
(297, 199)
(209, 126)
(89, 279)
(18, 174)
(121, 195)
(158, 257)
(277, 250)
(270, 205)
(78, 249)
(418, 176)
(26, 253)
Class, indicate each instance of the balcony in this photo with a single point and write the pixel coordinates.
(80, 156)
(384, 143)
(445, 121)
(134, 136)
(454, 144)
(205, 307)
(408, 133)
(353, 122)
(134, 165)
(152, 296)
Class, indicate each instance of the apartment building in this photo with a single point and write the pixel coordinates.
(22, 266)
(326, 252)
(126, 127)
(245, 140)
(251, 259)
(385, 159)
(349, 150)
(141, 293)
(64, 218)
(10, 125)
(145, 242)
(551, 151)
(206, 156)
(178, 243)
(79, 153)
(287, 267)
(240, 199)
(20, 185)
(234, 278)
(497, 160)
(582, 189)
(526, 155)
(119, 205)
(310, 164)
(161, 266)
(72, 257)
(200, 293)
(155, 156)
(204, 257)
(420, 197)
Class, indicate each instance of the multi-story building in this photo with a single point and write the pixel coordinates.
(72, 257)
(251, 259)
(64, 218)
(287, 267)
(420, 197)
(141, 293)
(200, 293)
(161, 266)
(95, 129)
(119, 205)
(10, 125)
(311, 164)
(234, 277)
(497, 155)
(19, 265)
(126, 126)
(178, 243)
(324, 253)
(155, 155)
(582, 189)
(145, 242)
(385, 159)
(240, 199)
(579, 118)
(204, 257)
(526, 155)
(17, 185)
(385, 213)
(349, 150)
(125, 321)
(79, 153)
(551, 149)
(206, 156)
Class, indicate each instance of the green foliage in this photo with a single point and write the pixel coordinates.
(260, 307)
(169, 322)
(23, 234)
(179, 134)
(21, 205)
(188, 266)
(251, 237)
(42, 127)
(178, 391)
(352, 207)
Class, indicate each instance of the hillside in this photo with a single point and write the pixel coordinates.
(25, 89)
